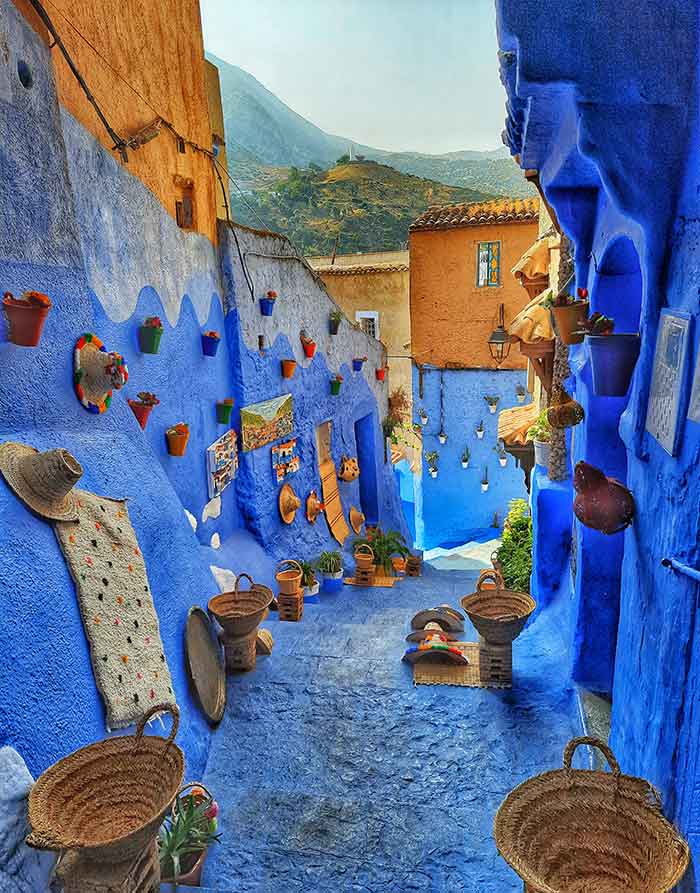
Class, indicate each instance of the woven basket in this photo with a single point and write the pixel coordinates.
(499, 615)
(289, 576)
(240, 654)
(364, 557)
(108, 800)
(240, 612)
(583, 831)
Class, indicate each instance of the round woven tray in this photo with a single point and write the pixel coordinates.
(205, 665)
(583, 831)
(241, 611)
(108, 799)
(498, 614)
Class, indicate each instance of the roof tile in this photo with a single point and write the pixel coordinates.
(478, 214)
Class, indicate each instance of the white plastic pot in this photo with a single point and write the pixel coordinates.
(465, 464)
(492, 408)
(484, 487)
(503, 460)
(424, 420)
(520, 397)
(442, 438)
(542, 453)
(312, 590)
(433, 472)
(480, 433)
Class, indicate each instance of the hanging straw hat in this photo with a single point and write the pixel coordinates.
(314, 507)
(357, 519)
(96, 373)
(289, 502)
(43, 481)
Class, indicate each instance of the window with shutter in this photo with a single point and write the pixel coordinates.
(488, 264)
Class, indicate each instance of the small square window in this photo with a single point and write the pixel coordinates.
(180, 145)
(488, 264)
(369, 322)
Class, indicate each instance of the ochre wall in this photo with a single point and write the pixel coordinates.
(158, 49)
(451, 319)
(216, 119)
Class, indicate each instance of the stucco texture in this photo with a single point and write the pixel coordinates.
(452, 318)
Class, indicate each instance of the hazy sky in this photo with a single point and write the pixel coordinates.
(420, 75)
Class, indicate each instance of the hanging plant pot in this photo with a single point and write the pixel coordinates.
(210, 343)
(569, 321)
(492, 403)
(542, 451)
(380, 374)
(334, 322)
(150, 334)
(484, 486)
(26, 316)
(503, 460)
(335, 386)
(288, 368)
(267, 304)
(465, 463)
(358, 363)
(520, 396)
(224, 408)
(442, 437)
(613, 358)
(423, 419)
(309, 348)
(142, 407)
(177, 438)
(564, 412)
(433, 472)
(601, 503)
(480, 433)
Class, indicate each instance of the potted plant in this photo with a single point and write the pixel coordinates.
(150, 334)
(267, 304)
(186, 834)
(520, 393)
(613, 356)
(569, 313)
(309, 583)
(177, 437)
(540, 433)
(223, 411)
(330, 564)
(465, 457)
(210, 343)
(334, 320)
(288, 368)
(485, 480)
(308, 344)
(380, 373)
(385, 547)
(142, 407)
(26, 316)
(500, 451)
(492, 402)
(432, 461)
(336, 382)
(442, 437)
(480, 430)
(358, 363)
(423, 416)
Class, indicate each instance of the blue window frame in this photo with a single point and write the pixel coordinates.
(488, 264)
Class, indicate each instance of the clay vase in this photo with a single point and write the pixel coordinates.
(601, 503)
(564, 412)
(569, 321)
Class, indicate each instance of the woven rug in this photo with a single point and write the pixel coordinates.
(454, 674)
(116, 606)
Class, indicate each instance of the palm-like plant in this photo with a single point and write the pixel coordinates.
(385, 546)
(330, 562)
(308, 574)
(184, 834)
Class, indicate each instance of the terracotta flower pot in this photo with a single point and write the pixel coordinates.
(177, 443)
(309, 348)
(210, 345)
(193, 878)
(149, 338)
(25, 319)
(223, 413)
(288, 368)
(569, 321)
(142, 411)
(380, 373)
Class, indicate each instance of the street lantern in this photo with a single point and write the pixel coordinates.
(499, 339)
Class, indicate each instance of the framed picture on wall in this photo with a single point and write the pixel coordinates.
(222, 463)
(262, 423)
(669, 383)
(285, 459)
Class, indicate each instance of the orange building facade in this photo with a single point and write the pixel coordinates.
(144, 62)
(460, 262)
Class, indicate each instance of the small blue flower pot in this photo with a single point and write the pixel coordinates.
(210, 345)
(267, 305)
(333, 582)
(357, 365)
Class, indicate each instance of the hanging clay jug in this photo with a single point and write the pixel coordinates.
(349, 469)
(601, 503)
(564, 412)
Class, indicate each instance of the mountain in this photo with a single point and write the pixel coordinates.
(367, 206)
(264, 135)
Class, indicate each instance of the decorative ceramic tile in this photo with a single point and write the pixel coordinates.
(668, 384)
(694, 409)
(261, 423)
(222, 463)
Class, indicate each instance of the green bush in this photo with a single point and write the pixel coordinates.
(515, 552)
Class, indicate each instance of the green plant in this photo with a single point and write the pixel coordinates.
(500, 450)
(308, 574)
(597, 324)
(541, 429)
(485, 478)
(514, 555)
(520, 389)
(385, 546)
(466, 454)
(480, 426)
(389, 425)
(186, 832)
(330, 562)
(491, 399)
(432, 459)
(336, 315)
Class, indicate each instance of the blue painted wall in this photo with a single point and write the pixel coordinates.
(453, 508)
(618, 157)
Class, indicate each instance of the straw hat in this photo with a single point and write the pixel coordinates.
(44, 481)
(289, 502)
(96, 373)
(314, 507)
(357, 519)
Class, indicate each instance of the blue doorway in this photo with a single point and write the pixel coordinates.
(366, 439)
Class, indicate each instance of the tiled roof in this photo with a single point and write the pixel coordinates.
(360, 268)
(368, 262)
(513, 423)
(479, 213)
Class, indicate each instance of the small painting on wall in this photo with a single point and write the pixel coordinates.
(222, 463)
(261, 423)
(285, 459)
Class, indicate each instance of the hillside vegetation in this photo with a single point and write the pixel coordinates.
(364, 205)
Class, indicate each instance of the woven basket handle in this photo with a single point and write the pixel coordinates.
(286, 564)
(236, 591)
(592, 742)
(366, 548)
(183, 790)
(159, 708)
(489, 576)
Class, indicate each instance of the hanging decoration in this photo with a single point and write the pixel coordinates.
(222, 463)
(289, 503)
(601, 502)
(349, 469)
(442, 436)
(285, 459)
(262, 423)
(314, 507)
(96, 373)
(26, 316)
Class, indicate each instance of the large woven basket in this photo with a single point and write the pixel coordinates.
(498, 614)
(583, 831)
(364, 557)
(288, 576)
(108, 800)
(240, 612)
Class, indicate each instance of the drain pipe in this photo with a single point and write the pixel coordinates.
(681, 568)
